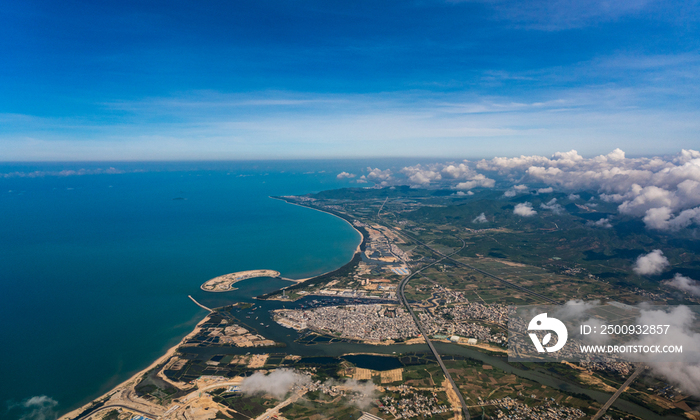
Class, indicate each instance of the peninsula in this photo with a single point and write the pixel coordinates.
(225, 283)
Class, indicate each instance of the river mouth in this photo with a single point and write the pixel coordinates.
(326, 351)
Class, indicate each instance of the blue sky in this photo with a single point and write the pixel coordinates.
(147, 80)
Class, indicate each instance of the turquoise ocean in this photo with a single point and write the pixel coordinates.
(97, 260)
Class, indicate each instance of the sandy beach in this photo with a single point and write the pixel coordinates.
(134, 379)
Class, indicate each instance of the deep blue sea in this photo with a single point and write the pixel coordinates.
(95, 268)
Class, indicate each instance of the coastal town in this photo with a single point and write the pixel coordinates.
(360, 322)
(389, 323)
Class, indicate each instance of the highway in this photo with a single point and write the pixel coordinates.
(403, 299)
(619, 392)
(402, 296)
(380, 208)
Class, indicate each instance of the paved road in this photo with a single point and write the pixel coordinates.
(380, 208)
(274, 411)
(619, 392)
(403, 299)
(113, 406)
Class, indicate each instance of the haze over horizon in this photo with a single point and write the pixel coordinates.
(279, 80)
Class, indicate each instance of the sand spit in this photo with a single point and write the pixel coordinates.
(225, 283)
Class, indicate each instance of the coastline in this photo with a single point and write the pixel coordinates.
(73, 414)
(362, 237)
(162, 359)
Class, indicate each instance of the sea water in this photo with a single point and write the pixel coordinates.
(97, 260)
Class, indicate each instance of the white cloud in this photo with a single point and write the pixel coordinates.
(652, 263)
(685, 284)
(524, 209)
(516, 189)
(461, 171)
(476, 181)
(574, 197)
(662, 218)
(602, 223)
(685, 369)
(664, 192)
(420, 176)
(424, 175)
(480, 219)
(363, 392)
(344, 175)
(39, 407)
(545, 190)
(575, 309)
(382, 177)
(553, 206)
(278, 383)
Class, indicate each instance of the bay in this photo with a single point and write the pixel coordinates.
(96, 268)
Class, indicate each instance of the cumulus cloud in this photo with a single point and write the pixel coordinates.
(651, 263)
(524, 209)
(684, 371)
(552, 206)
(421, 176)
(662, 218)
(278, 383)
(382, 177)
(477, 180)
(685, 284)
(665, 192)
(602, 223)
(575, 309)
(461, 171)
(681, 369)
(515, 190)
(424, 175)
(344, 175)
(480, 219)
(39, 407)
